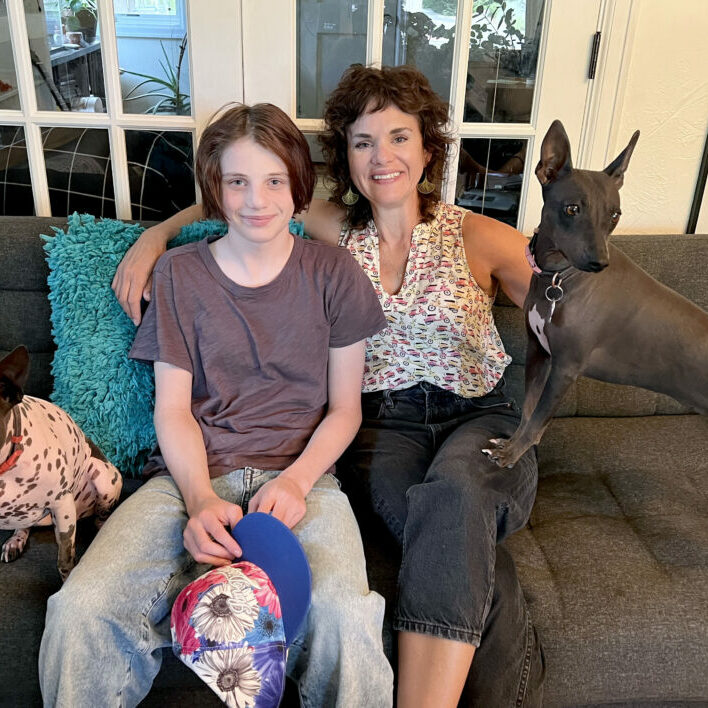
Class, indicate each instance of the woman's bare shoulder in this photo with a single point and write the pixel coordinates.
(323, 221)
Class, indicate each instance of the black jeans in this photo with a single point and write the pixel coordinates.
(417, 464)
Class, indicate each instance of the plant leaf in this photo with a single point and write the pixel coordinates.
(168, 68)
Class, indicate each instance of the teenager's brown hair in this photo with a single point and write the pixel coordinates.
(270, 128)
(364, 87)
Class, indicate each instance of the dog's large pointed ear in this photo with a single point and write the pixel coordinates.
(618, 166)
(555, 154)
(15, 366)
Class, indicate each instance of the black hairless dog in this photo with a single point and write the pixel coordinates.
(592, 311)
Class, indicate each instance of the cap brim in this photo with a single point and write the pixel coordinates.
(272, 546)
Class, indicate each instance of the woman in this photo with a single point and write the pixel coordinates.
(433, 386)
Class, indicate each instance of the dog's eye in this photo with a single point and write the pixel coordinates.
(572, 209)
(615, 216)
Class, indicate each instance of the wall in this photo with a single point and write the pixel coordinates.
(665, 96)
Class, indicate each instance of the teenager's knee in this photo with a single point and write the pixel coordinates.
(350, 612)
(72, 612)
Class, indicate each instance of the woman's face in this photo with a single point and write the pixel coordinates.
(386, 156)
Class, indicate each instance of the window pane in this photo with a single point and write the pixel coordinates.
(16, 197)
(501, 73)
(161, 174)
(489, 177)
(145, 7)
(150, 19)
(154, 67)
(65, 49)
(79, 171)
(9, 97)
(421, 33)
(331, 35)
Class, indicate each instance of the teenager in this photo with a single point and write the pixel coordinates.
(257, 340)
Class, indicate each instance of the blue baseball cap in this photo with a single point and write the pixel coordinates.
(269, 544)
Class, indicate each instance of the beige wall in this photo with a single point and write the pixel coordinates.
(665, 96)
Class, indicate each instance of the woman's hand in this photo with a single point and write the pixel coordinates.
(133, 279)
(206, 536)
(283, 498)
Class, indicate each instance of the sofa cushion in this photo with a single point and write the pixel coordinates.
(614, 560)
(24, 314)
(110, 396)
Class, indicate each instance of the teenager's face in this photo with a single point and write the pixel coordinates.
(255, 191)
(386, 156)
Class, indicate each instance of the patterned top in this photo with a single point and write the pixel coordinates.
(440, 324)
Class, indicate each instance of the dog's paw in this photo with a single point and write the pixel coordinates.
(13, 547)
(501, 452)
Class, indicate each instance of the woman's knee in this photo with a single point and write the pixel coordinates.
(458, 496)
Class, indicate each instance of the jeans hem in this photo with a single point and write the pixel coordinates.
(438, 630)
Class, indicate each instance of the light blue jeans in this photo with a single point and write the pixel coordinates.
(107, 626)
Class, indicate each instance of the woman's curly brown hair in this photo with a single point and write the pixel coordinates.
(408, 90)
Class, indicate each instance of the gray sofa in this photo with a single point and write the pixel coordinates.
(614, 560)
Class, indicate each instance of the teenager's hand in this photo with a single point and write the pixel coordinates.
(283, 498)
(133, 279)
(206, 536)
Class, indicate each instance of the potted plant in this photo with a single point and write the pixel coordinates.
(81, 15)
(495, 32)
(165, 89)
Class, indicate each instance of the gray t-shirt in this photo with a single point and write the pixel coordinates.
(258, 356)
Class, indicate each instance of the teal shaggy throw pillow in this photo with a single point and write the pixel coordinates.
(110, 396)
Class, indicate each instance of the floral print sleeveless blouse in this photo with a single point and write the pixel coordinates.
(440, 325)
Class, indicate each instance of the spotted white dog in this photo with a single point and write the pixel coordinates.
(50, 472)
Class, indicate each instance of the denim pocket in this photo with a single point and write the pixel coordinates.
(334, 479)
(496, 397)
(372, 406)
(490, 401)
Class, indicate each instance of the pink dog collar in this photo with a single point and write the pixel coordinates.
(532, 260)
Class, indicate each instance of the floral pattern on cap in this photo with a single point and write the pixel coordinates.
(227, 627)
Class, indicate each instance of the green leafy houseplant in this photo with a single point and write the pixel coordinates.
(164, 88)
(81, 15)
(495, 32)
(77, 5)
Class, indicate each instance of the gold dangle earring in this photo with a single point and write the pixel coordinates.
(350, 198)
(425, 187)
